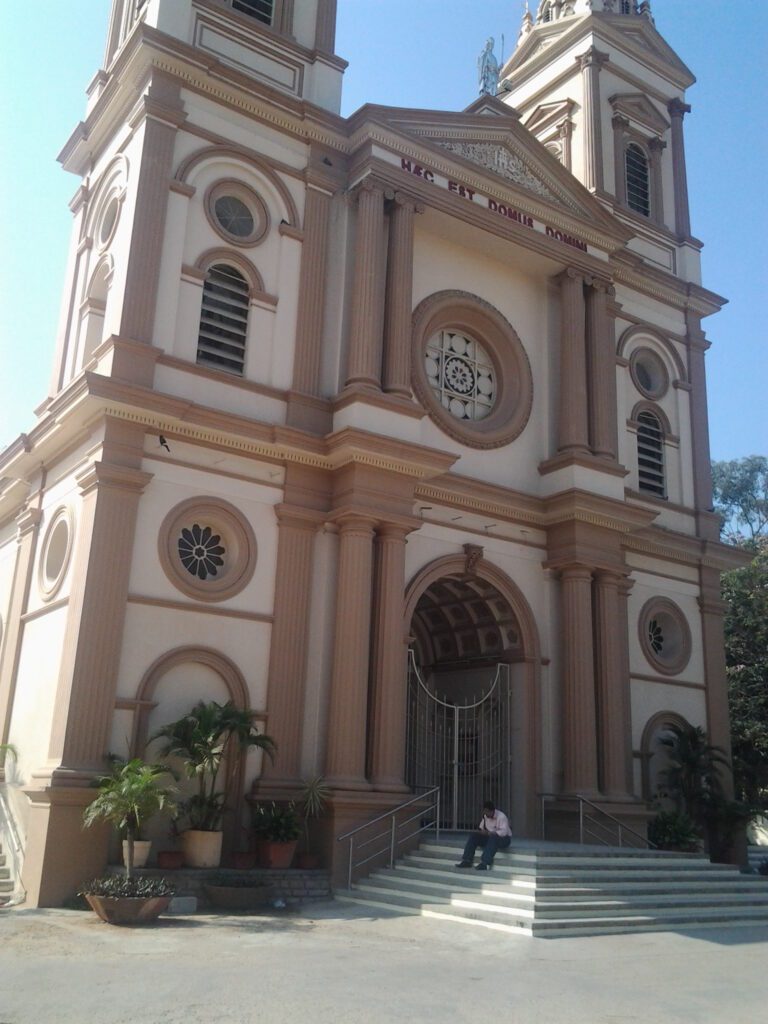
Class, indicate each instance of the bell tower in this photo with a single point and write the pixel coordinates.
(598, 85)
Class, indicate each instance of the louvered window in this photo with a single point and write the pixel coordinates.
(261, 10)
(650, 455)
(224, 320)
(638, 180)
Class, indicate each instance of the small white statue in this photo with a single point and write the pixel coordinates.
(488, 69)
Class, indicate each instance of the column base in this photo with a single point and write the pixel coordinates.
(60, 854)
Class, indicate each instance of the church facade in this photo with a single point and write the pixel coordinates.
(392, 428)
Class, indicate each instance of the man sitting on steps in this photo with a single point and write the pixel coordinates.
(493, 834)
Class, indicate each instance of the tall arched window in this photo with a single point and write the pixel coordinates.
(638, 178)
(650, 455)
(223, 320)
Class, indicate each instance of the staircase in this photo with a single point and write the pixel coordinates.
(6, 882)
(556, 889)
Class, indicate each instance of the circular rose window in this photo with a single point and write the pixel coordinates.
(237, 213)
(665, 636)
(207, 549)
(648, 373)
(56, 550)
(470, 370)
(461, 375)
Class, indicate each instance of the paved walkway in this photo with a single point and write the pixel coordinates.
(337, 964)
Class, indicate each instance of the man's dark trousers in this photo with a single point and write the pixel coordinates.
(490, 843)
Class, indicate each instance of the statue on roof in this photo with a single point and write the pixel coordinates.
(488, 70)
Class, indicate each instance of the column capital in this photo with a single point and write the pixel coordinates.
(27, 520)
(612, 577)
(592, 58)
(574, 572)
(656, 146)
(677, 108)
(620, 122)
(103, 474)
(371, 186)
(569, 274)
(299, 518)
(404, 201)
(396, 531)
(349, 522)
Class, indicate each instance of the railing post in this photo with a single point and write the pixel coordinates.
(392, 843)
(581, 821)
(437, 817)
(543, 814)
(349, 872)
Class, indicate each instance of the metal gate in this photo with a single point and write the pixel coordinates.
(465, 749)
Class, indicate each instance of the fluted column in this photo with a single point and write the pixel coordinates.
(309, 326)
(85, 696)
(573, 428)
(565, 134)
(591, 64)
(399, 296)
(163, 113)
(677, 110)
(578, 675)
(612, 675)
(619, 123)
(656, 147)
(366, 326)
(389, 666)
(347, 722)
(289, 643)
(27, 523)
(603, 412)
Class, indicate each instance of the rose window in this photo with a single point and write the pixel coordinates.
(201, 551)
(655, 636)
(461, 375)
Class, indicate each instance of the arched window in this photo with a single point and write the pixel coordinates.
(223, 320)
(638, 179)
(650, 454)
(546, 14)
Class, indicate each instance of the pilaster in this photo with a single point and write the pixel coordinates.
(162, 112)
(573, 429)
(347, 720)
(579, 726)
(612, 678)
(677, 110)
(366, 326)
(85, 696)
(591, 63)
(656, 147)
(289, 650)
(603, 412)
(399, 296)
(702, 467)
(713, 611)
(389, 662)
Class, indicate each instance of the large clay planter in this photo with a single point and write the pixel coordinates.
(141, 848)
(128, 909)
(201, 849)
(276, 855)
(240, 897)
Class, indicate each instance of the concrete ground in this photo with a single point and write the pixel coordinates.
(334, 964)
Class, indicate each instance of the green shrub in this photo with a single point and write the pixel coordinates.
(672, 830)
(120, 885)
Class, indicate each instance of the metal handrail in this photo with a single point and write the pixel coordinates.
(15, 848)
(584, 820)
(391, 832)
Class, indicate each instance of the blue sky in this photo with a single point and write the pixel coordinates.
(417, 54)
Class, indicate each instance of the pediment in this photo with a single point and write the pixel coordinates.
(548, 114)
(639, 108)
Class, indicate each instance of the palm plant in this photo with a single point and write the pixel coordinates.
(128, 797)
(694, 772)
(201, 739)
(7, 750)
(314, 797)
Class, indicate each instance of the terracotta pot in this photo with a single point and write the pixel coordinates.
(243, 860)
(307, 861)
(240, 897)
(141, 848)
(170, 860)
(128, 909)
(201, 849)
(277, 855)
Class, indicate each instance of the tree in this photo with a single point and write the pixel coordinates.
(741, 497)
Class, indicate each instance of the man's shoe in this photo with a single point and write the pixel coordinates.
(481, 867)
(464, 864)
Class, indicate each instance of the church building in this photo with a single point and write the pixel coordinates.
(392, 428)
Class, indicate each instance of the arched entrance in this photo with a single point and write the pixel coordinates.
(472, 719)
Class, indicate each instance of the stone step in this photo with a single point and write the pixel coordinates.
(559, 861)
(544, 900)
(6, 885)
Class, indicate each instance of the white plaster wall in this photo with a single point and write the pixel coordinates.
(440, 264)
(64, 493)
(685, 596)
(648, 699)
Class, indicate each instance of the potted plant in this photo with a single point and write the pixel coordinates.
(130, 795)
(201, 739)
(313, 798)
(276, 829)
